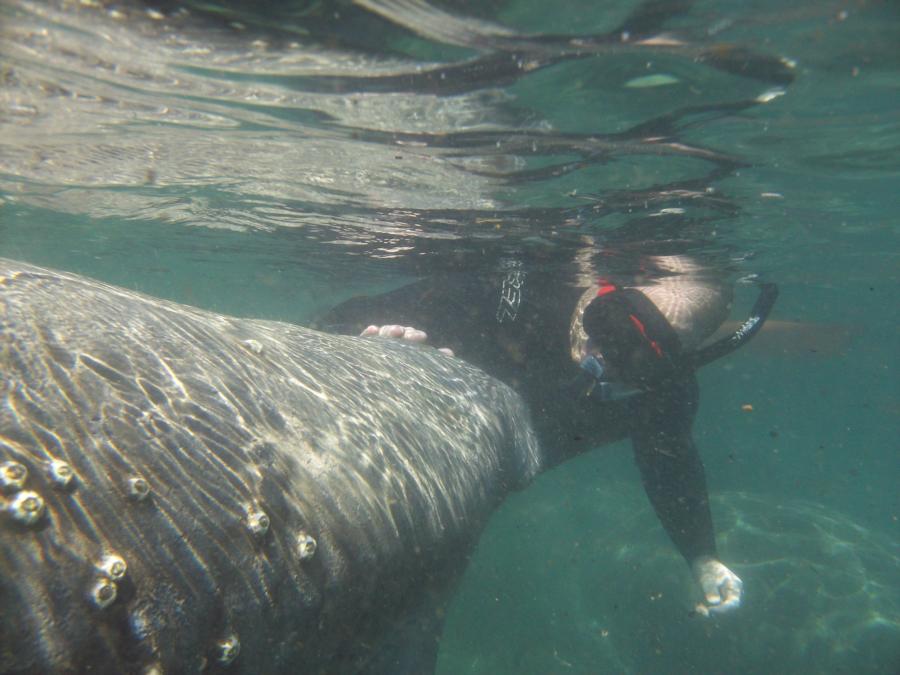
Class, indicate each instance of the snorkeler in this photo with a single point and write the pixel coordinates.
(596, 361)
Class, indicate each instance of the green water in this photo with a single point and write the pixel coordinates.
(214, 166)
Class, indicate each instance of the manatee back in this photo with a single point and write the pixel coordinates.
(185, 490)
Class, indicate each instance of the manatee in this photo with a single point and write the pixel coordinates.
(185, 491)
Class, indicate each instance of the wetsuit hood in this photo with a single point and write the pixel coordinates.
(636, 340)
(640, 347)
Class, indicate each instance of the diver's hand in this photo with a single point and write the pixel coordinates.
(722, 588)
(406, 333)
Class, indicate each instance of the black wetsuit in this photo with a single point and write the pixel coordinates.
(516, 327)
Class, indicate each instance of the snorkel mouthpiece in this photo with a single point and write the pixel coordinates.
(599, 387)
(593, 366)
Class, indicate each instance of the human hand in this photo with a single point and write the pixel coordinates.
(406, 333)
(722, 588)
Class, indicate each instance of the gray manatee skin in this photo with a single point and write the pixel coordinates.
(389, 456)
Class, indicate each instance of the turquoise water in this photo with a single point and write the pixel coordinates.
(277, 160)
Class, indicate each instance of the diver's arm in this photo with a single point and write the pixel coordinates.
(458, 311)
(670, 465)
(675, 482)
(405, 305)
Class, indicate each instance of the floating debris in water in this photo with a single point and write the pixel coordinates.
(647, 81)
(770, 95)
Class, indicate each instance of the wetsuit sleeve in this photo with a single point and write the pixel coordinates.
(456, 311)
(670, 465)
(407, 305)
